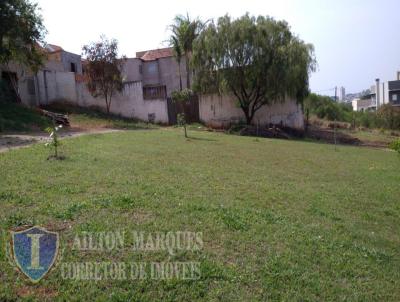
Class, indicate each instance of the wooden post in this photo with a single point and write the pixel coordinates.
(334, 132)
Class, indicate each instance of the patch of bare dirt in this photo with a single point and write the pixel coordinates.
(327, 135)
(15, 140)
(316, 131)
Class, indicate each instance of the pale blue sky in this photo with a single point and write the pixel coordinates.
(355, 41)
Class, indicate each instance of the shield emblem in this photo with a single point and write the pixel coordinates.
(35, 251)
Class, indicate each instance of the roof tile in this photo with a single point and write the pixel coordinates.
(155, 54)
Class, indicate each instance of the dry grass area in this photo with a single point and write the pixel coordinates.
(322, 130)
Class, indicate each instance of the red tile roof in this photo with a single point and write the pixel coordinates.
(154, 54)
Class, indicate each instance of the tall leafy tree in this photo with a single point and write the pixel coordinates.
(103, 69)
(21, 33)
(178, 52)
(258, 60)
(184, 32)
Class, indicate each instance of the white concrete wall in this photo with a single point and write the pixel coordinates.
(383, 93)
(169, 73)
(131, 70)
(56, 85)
(25, 77)
(222, 111)
(128, 104)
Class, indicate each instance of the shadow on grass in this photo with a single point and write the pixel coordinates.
(201, 139)
(135, 125)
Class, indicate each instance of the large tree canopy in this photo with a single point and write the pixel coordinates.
(258, 60)
(103, 69)
(21, 32)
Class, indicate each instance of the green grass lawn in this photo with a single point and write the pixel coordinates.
(281, 220)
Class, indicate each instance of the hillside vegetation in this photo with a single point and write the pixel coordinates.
(17, 117)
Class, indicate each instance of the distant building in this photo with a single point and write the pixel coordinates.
(342, 94)
(394, 91)
(365, 103)
(380, 94)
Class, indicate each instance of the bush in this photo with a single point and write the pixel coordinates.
(182, 96)
(395, 145)
(324, 108)
(389, 116)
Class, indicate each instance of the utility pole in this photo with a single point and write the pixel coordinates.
(334, 133)
(377, 93)
(334, 122)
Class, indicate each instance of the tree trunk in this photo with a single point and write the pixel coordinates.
(180, 76)
(107, 105)
(247, 114)
(14, 83)
(248, 119)
(307, 120)
(187, 72)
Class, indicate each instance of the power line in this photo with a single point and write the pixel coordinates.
(329, 89)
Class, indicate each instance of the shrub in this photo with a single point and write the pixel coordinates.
(387, 117)
(324, 108)
(54, 141)
(390, 116)
(182, 96)
(395, 145)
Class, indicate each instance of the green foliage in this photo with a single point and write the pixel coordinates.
(17, 117)
(258, 60)
(233, 220)
(325, 108)
(181, 119)
(184, 31)
(103, 69)
(395, 145)
(21, 32)
(182, 122)
(178, 52)
(387, 117)
(54, 140)
(182, 96)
